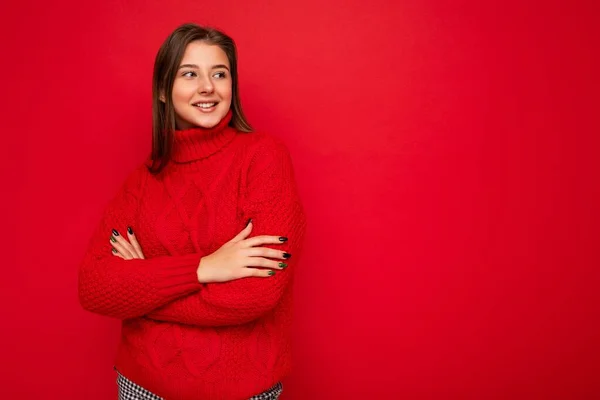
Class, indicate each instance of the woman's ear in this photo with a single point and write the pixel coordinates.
(161, 97)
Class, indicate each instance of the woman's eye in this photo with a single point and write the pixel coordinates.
(220, 75)
(189, 74)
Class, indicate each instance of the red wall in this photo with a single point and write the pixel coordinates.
(446, 153)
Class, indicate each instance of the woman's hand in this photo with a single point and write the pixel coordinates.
(127, 250)
(242, 258)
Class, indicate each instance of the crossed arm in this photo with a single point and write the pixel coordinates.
(168, 288)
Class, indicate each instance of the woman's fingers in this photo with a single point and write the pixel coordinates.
(122, 246)
(263, 239)
(116, 253)
(241, 257)
(125, 249)
(244, 233)
(267, 252)
(265, 263)
(134, 243)
(121, 251)
(259, 273)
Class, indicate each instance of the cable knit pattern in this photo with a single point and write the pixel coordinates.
(182, 339)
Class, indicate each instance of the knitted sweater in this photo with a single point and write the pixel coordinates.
(181, 339)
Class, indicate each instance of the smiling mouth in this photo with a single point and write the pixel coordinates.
(205, 105)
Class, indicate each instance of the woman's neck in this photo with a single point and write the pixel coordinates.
(198, 143)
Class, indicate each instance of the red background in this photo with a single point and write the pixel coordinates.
(446, 152)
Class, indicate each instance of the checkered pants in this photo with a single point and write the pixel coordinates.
(131, 391)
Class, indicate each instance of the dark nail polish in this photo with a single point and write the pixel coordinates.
(130, 230)
(115, 232)
(248, 223)
(114, 250)
(271, 273)
(286, 255)
(282, 265)
(112, 239)
(283, 239)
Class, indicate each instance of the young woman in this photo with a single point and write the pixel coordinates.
(197, 251)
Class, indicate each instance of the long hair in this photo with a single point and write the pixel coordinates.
(166, 64)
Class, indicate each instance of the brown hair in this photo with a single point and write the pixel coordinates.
(165, 68)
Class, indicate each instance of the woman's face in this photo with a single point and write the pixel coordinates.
(202, 88)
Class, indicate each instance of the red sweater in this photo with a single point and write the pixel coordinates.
(181, 339)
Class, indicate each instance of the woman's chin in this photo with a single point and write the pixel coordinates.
(208, 121)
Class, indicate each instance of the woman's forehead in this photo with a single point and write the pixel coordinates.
(204, 55)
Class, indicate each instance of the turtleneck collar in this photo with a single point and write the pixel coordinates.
(198, 143)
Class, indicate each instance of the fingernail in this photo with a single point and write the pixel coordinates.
(283, 239)
(114, 250)
(282, 265)
(130, 230)
(248, 223)
(112, 239)
(115, 232)
(271, 273)
(286, 255)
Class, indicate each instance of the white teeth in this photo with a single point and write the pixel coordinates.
(205, 105)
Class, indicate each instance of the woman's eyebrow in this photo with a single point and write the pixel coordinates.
(197, 67)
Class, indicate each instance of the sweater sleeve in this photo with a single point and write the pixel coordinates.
(271, 200)
(114, 287)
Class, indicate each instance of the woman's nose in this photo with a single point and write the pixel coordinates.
(205, 86)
